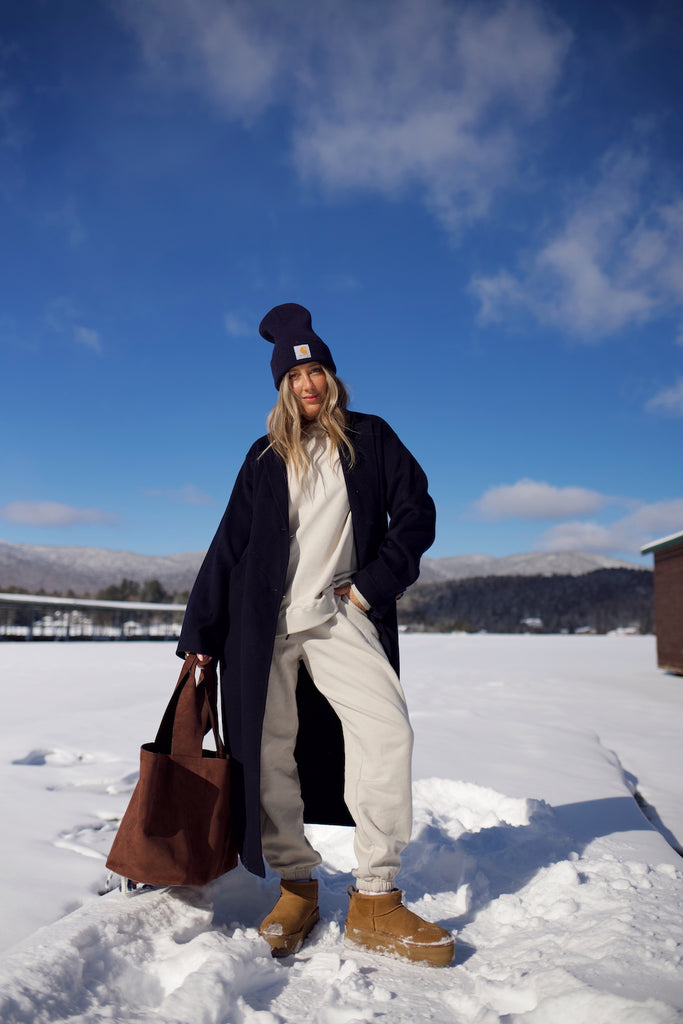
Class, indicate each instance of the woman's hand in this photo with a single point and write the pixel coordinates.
(203, 659)
(346, 591)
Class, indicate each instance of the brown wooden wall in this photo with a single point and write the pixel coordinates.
(669, 607)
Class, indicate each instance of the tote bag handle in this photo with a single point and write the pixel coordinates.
(191, 711)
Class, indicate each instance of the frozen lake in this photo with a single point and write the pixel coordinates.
(528, 843)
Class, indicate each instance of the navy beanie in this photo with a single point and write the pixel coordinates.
(289, 328)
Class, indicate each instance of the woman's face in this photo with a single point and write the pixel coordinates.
(309, 384)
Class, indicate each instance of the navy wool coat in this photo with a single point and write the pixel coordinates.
(233, 608)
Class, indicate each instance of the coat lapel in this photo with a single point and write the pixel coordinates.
(276, 474)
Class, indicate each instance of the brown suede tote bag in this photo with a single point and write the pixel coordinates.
(177, 827)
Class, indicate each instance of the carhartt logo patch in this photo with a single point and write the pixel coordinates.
(302, 352)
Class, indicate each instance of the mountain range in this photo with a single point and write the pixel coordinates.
(54, 569)
(534, 563)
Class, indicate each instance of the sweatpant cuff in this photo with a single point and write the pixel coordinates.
(374, 885)
(297, 874)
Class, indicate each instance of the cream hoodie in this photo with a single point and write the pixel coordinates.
(322, 553)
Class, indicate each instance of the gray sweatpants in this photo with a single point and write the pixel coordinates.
(348, 665)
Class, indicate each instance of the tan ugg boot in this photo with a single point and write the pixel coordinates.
(292, 917)
(381, 923)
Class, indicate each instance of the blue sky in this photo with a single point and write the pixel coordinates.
(481, 204)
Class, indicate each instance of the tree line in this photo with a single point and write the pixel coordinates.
(598, 601)
(151, 591)
(148, 591)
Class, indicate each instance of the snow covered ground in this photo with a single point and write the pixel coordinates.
(528, 843)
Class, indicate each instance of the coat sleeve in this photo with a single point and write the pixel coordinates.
(205, 624)
(411, 530)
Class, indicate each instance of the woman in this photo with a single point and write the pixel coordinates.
(300, 583)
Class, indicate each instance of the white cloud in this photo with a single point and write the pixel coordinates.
(616, 261)
(342, 283)
(431, 96)
(668, 401)
(68, 219)
(580, 537)
(88, 337)
(52, 514)
(533, 499)
(662, 517)
(236, 326)
(630, 533)
(228, 49)
(382, 97)
(62, 316)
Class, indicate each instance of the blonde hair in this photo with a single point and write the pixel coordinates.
(287, 428)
